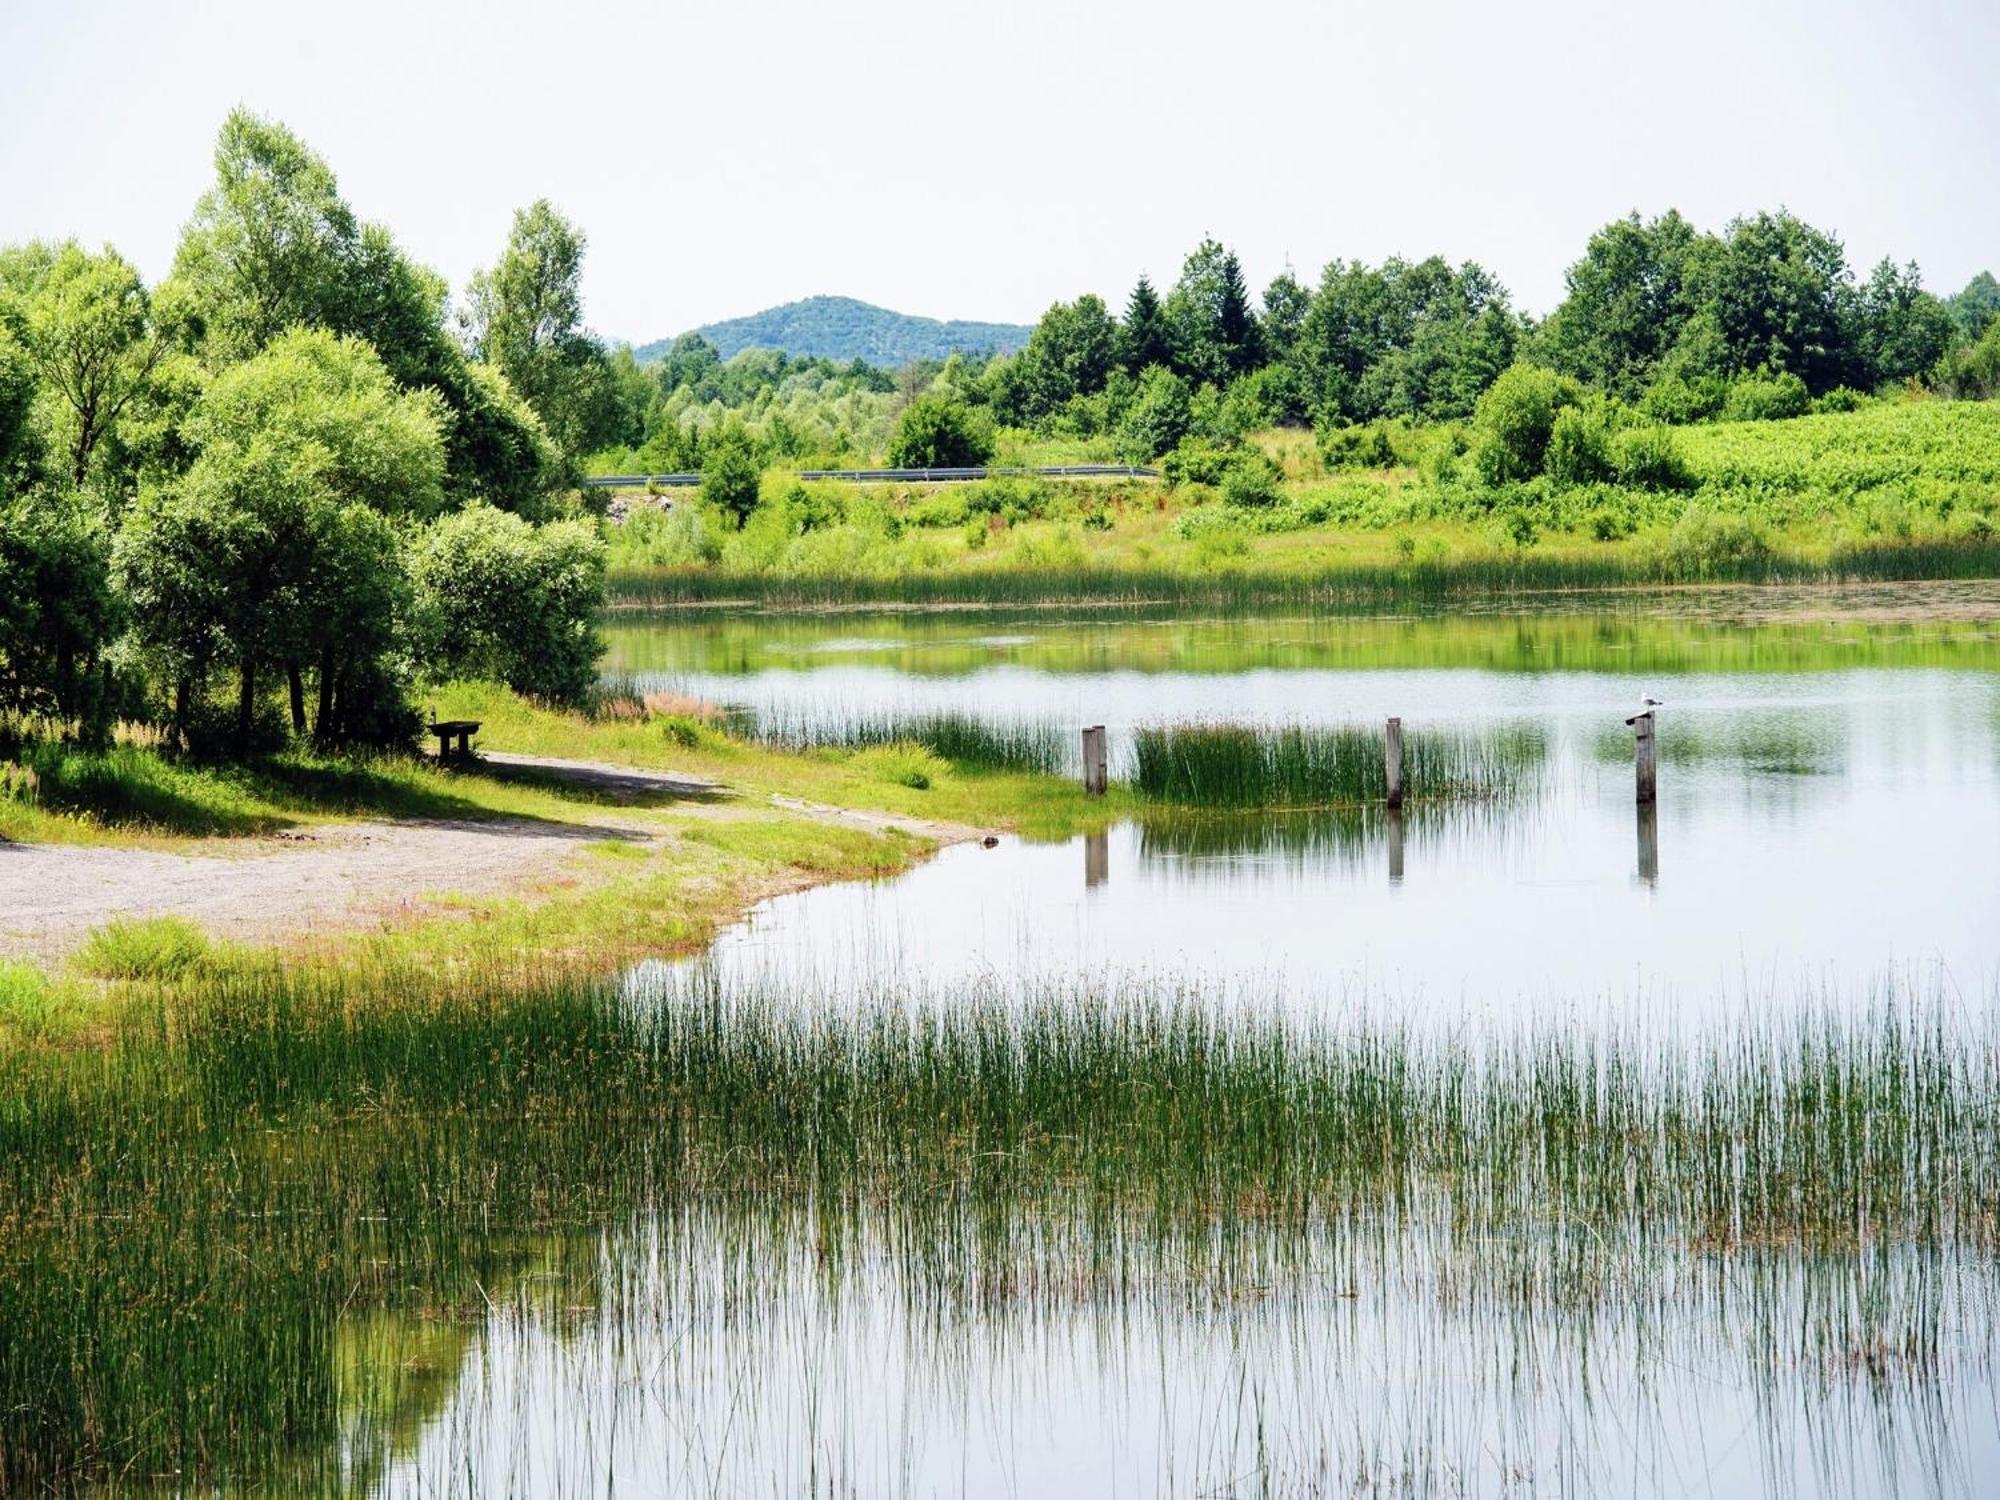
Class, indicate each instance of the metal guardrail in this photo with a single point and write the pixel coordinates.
(889, 476)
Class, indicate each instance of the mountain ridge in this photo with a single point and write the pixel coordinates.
(846, 328)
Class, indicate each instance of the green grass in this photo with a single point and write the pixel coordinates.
(143, 948)
(202, 1210)
(1236, 765)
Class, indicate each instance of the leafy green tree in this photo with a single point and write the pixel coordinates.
(525, 316)
(730, 474)
(1144, 339)
(58, 612)
(1158, 417)
(1976, 308)
(1628, 299)
(85, 327)
(517, 603)
(251, 558)
(936, 432)
(1972, 372)
(1286, 304)
(1071, 353)
(1406, 339)
(1778, 291)
(1211, 325)
(1900, 331)
(19, 450)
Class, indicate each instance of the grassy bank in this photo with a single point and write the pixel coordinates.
(1896, 490)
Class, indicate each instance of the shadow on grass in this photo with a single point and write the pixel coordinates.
(128, 787)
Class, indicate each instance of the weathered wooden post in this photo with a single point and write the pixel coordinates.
(1645, 757)
(1392, 761)
(1093, 761)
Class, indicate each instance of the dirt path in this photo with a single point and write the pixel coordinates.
(345, 875)
(350, 875)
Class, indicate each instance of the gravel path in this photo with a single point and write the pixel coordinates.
(347, 875)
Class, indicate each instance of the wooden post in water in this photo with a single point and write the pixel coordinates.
(1392, 761)
(1645, 758)
(1093, 761)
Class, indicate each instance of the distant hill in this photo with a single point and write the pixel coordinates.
(843, 329)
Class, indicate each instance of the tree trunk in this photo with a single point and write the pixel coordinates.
(297, 684)
(323, 721)
(246, 704)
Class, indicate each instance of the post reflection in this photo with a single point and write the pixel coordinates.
(1395, 846)
(1096, 859)
(1649, 843)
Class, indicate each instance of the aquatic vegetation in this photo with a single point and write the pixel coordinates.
(1238, 765)
(962, 738)
(202, 1211)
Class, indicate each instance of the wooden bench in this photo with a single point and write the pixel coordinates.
(461, 729)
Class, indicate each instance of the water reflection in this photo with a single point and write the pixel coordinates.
(1649, 842)
(1096, 859)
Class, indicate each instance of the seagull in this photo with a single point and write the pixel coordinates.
(1646, 707)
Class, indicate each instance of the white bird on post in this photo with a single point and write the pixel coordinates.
(1646, 706)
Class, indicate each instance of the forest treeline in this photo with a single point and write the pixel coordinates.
(267, 497)
(1763, 319)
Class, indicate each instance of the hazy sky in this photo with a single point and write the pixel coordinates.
(982, 160)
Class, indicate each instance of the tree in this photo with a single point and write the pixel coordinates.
(1144, 339)
(58, 612)
(271, 245)
(1976, 308)
(1286, 304)
(1071, 353)
(525, 316)
(511, 601)
(84, 325)
(1213, 331)
(1628, 299)
(1158, 417)
(936, 432)
(730, 475)
(1900, 331)
(259, 555)
(1778, 291)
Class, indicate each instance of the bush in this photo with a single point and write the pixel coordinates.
(518, 603)
(938, 432)
(145, 948)
(679, 537)
(730, 477)
(1649, 458)
(1840, 398)
(1704, 542)
(1766, 398)
(1973, 374)
(904, 763)
(1195, 461)
(1157, 419)
(1250, 482)
(1367, 447)
(1515, 419)
(1579, 449)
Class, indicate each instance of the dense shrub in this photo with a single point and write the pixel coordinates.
(1515, 419)
(1579, 448)
(1766, 398)
(730, 478)
(1706, 541)
(505, 600)
(939, 432)
(1250, 481)
(1196, 461)
(1649, 458)
(1157, 418)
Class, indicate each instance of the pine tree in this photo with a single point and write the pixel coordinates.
(1143, 340)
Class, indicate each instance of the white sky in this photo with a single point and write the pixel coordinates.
(981, 160)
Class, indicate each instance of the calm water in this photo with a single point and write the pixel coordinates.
(1828, 824)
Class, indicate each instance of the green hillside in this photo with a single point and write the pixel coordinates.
(841, 328)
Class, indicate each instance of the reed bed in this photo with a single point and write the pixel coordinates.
(1301, 766)
(1359, 587)
(961, 738)
(194, 1210)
